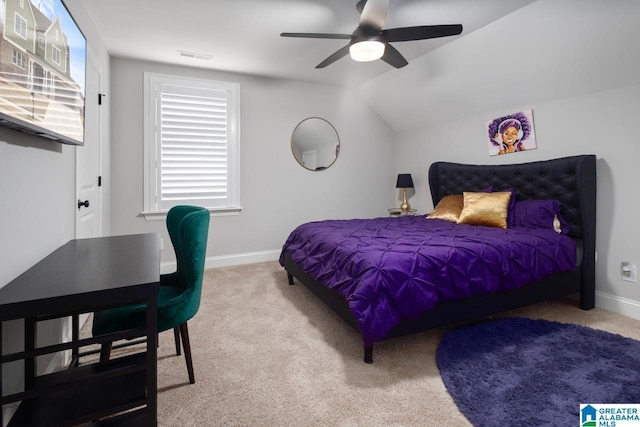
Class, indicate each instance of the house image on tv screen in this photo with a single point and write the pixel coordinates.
(36, 63)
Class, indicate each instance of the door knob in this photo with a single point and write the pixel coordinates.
(81, 204)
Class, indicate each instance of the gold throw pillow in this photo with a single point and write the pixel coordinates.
(488, 209)
(448, 208)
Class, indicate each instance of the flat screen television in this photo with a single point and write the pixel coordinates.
(43, 57)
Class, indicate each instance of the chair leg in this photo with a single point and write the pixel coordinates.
(184, 332)
(176, 335)
(105, 351)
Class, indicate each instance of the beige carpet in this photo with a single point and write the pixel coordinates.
(269, 354)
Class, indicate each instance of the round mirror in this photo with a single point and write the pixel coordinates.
(315, 143)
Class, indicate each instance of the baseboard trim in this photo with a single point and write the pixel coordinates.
(618, 304)
(229, 260)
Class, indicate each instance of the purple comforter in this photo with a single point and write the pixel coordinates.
(390, 269)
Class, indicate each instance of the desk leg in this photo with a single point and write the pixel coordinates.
(75, 336)
(30, 366)
(152, 361)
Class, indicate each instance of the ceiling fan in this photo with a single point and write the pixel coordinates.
(370, 42)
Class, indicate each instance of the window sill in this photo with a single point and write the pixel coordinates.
(162, 215)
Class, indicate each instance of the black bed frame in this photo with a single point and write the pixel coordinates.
(571, 180)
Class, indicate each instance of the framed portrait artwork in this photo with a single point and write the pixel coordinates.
(511, 133)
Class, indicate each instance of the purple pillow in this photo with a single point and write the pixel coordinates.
(539, 214)
(511, 207)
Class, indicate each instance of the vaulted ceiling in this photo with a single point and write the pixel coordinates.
(511, 53)
(244, 36)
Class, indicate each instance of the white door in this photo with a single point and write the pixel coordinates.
(88, 205)
(309, 159)
(88, 215)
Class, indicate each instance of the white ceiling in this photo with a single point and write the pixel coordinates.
(244, 35)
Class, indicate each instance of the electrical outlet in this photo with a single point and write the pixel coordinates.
(628, 271)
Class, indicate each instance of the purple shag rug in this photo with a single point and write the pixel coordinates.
(512, 371)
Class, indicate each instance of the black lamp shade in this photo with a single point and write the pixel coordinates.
(404, 181)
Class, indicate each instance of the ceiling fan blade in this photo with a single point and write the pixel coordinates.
(317, 35)
(420, 32)
(393, 57)
(334, 57)
(374, 13)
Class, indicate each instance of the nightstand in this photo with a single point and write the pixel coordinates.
(393, 212)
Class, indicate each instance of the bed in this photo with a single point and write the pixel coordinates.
(407, 289)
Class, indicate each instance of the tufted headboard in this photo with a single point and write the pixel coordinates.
(570, 180)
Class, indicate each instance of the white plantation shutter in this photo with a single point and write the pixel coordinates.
(193, 147)
(192, 139)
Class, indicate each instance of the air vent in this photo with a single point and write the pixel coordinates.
(194, 55)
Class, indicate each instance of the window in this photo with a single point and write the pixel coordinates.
(192, 144)
(20, 26)
(55, 54)
(18, 58)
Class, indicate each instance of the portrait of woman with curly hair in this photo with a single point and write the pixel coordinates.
(511, 133)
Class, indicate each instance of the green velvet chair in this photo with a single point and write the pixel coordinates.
(179, 296)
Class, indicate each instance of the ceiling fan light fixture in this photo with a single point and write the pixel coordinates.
(368, 50)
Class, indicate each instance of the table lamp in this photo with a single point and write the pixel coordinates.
(404, 182)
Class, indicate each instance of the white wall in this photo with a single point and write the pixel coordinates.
(550, 49)
(277, 194)
(37, 189)
(584, 94)
(37, 193)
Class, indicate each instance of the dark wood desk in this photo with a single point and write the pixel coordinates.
(83, 276)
